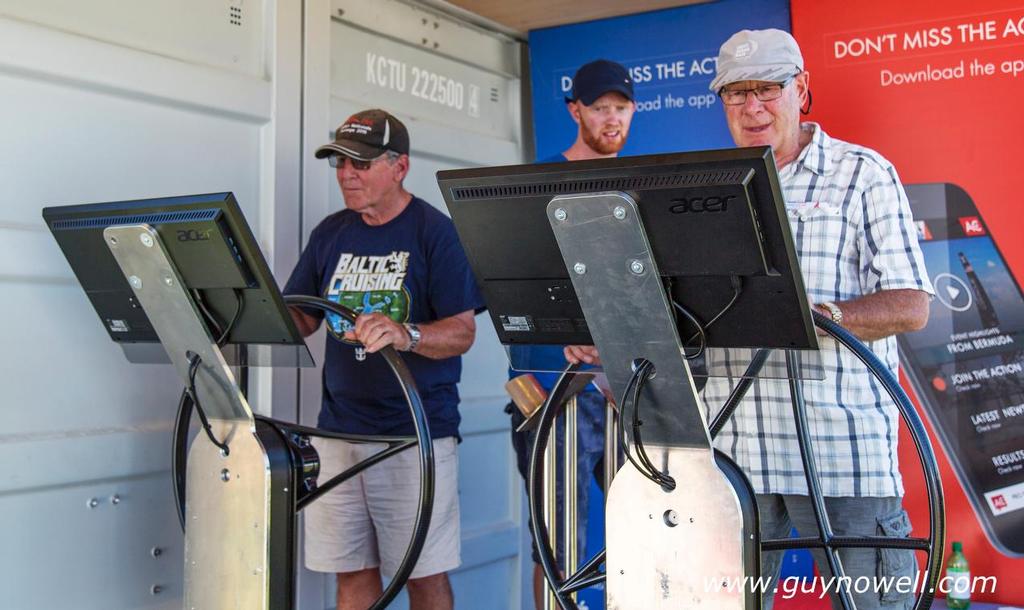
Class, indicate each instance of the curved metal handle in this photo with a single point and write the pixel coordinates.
(933, 545)
(925, 454)
(426, 449)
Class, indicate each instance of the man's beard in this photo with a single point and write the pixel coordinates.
(602, 146)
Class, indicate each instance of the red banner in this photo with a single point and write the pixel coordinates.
(937, 87)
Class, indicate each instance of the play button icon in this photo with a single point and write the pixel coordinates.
(952, 292)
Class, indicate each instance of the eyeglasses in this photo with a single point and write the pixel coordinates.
(764, 93)
(337, 160)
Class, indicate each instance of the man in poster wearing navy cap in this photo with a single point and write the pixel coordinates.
(602, 105)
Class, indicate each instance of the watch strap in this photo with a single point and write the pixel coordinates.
(414, 336)
(834, 311)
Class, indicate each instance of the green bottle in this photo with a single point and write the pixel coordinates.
(958, 580)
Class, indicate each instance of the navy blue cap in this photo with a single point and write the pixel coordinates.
(597, 78)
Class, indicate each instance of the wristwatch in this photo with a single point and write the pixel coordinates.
(414, 336)
(834, 311)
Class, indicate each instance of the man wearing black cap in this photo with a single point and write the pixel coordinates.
(396, 261)
(602, 106)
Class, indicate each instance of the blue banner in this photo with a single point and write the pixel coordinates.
(670, 54)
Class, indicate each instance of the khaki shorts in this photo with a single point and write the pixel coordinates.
(367, 521)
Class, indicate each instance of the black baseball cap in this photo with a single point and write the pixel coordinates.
(367, 135)
(598, 77)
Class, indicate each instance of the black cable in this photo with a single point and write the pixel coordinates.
(663, 479)
(638, 442)
(220, 331)
(622, 429)
(211, 319)
(193, 366)
(234, 319)
(623, 403)
(737, 288)
(179, 444)
(243, 351)
(644, 466)
(700, 332)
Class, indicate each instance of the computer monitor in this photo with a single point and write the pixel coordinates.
(210, 243)
(715, 220)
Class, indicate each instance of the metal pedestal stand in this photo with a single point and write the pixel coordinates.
(245, 485)
(654, 533)
(230, 496)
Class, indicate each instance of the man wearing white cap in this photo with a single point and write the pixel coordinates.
(862, 268)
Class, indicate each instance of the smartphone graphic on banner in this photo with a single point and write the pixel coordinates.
(967, 364)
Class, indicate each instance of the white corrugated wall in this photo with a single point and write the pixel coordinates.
(108, 100)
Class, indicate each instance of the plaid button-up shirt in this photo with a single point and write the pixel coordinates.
(854, 236)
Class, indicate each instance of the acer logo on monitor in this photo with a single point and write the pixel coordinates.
(193, 235)
(700, 204)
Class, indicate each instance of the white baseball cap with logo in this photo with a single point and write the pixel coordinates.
(763, 55)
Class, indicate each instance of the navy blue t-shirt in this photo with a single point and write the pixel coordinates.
(559, 158)
(412, 269)
(547, 357)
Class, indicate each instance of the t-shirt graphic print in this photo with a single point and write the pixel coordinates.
(369, 284)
